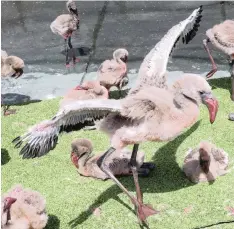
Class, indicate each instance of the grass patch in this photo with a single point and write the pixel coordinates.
(72, 198)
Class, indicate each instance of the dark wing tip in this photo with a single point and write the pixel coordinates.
(15, 140)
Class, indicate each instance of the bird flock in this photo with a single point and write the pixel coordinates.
(151, 111)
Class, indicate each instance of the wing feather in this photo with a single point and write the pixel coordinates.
(153, 68)
(42, 138)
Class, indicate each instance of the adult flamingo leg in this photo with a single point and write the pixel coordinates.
(143, 210)
(214, 66)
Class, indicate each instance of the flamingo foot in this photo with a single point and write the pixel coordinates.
(148, 165)
(211, 73)
(9, 112)
(144, 211)
(68, 66)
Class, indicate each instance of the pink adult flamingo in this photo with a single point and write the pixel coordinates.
(64, 25)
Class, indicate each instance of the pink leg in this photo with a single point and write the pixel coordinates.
(214, 67)
(7, 111)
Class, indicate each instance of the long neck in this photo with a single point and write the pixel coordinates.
(82, 160)
(189, 108)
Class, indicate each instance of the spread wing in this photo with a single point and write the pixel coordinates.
(42, 138)
(153, 68)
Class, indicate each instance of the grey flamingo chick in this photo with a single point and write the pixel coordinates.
(118, 163)
(11, 66)
(64, 25)
(205, 163)
(114, 72)
(23, 209)
(148, 113)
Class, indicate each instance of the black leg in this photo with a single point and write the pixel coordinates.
(73, 51)
(66, 52)
(232, 80)
(214, 67)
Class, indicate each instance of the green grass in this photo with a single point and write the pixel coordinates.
(71, 197)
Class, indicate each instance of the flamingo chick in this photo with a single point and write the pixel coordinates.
(88, 90)
(86, 163)
(23, 209)
(148, 113)
(114, 72)
(64, 25)
(222, 37)
(205, 163)
(11, 66)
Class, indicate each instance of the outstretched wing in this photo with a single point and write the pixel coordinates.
(153, 68)
(42, 138)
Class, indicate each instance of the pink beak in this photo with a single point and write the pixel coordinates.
(9, 202)
(74, 159)
(213, 106)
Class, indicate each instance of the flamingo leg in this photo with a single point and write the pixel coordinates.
(142, 210)
(7, 111)
(232, 79)
(73, 51)
(66, 52)
(214, 66)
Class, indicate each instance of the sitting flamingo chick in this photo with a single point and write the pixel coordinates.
(205, 163)
(86, 163)
(23, 209)
(88, 90)
(11, 66)
(114, 72)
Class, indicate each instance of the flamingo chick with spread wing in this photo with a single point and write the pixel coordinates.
(148, 113)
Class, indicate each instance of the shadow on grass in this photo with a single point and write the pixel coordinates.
(53, 222)
(5, 157)
(167, 177)
(12, 99)
(115, 94)
(224, 83)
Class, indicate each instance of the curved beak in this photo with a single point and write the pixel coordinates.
(18, 73)
(212, 104)
(74, 159)
(9, 202)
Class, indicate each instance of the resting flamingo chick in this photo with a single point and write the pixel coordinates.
(148, 113)
(114, 72)
(205, 163)
(222, 37)
(64, 25)
(11, 66)
(23, 209)
(88, 90)
(86, 163)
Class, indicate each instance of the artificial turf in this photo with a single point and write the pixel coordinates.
(72, 199)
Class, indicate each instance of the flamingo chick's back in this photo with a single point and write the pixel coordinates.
(218, 163)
